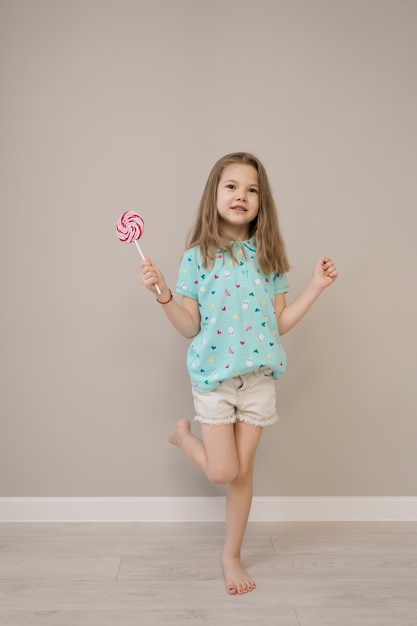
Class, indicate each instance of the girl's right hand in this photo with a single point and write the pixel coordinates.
(151, 276)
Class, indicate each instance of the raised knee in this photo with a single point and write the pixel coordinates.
(222, 476)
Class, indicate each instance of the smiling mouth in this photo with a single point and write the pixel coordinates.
(239, 208)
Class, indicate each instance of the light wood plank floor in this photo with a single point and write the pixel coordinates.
(307, 574)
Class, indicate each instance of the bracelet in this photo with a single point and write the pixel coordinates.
(169, 299)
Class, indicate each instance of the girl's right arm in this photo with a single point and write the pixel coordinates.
(185, 317)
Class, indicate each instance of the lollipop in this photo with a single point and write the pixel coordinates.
(130, 228)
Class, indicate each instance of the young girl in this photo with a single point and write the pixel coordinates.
(233, 308)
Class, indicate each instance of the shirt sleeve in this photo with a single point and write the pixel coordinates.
(280, 284)
(188, 275)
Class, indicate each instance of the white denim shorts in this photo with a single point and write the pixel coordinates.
(248, 398)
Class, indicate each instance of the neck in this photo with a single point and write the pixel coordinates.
(237, 234)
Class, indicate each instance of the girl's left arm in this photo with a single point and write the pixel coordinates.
(324, 275)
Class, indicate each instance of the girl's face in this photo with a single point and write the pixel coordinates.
(238, 199)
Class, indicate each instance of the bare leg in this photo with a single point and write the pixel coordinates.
(226, 455)
(238, 504)
(215, 456)
(192, 447)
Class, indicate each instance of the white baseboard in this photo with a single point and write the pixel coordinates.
(210, 509)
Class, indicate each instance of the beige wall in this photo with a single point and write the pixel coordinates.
(126, 104)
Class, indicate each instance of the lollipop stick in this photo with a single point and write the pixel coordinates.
(143, 259)
(140, 251)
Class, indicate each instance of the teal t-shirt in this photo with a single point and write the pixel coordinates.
(239, 330)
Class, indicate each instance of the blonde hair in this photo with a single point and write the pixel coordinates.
(271, 254)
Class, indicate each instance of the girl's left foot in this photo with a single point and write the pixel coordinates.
(237, 579)
(182, 429)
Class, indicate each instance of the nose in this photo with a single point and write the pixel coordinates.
(241, 195)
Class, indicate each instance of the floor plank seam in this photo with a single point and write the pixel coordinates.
(272, 544)
(118, 570)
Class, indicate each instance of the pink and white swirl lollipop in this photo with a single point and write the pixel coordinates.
(129, 228)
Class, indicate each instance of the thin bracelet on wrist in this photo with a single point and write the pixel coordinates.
(169, 299)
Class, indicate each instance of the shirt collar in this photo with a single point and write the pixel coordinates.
(250, 244)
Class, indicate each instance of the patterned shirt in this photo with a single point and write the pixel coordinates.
(239, 330)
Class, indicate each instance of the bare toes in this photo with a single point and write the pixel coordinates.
(237, 579)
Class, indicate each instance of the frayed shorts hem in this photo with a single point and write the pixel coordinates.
(240, 417)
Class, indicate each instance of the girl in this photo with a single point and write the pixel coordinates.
(232, 282)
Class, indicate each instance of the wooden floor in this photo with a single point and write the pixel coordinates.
(307, 574)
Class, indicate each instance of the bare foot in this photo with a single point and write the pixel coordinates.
(182, 427)
(237, 579)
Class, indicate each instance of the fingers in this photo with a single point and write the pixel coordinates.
(329, 267)
(150, 274)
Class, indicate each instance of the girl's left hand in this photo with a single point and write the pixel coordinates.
(324, 273)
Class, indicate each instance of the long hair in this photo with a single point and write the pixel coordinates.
(206, 233)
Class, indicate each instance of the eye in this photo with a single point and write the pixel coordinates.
(253, 190)
(230, 186)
